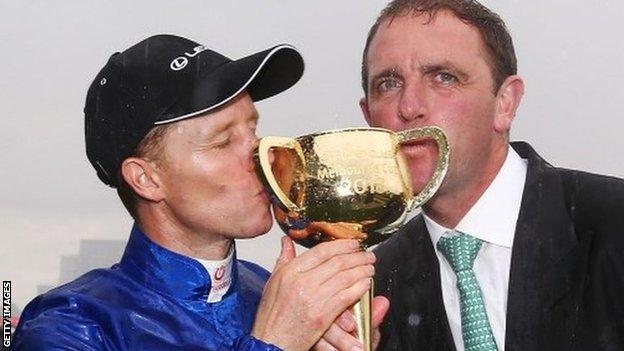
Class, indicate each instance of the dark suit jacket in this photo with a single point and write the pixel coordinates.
(566, 284)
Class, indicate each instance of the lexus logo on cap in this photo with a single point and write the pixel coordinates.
(178, 63)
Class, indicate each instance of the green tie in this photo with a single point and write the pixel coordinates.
(461, 251)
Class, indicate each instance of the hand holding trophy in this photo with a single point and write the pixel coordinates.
(346, 184)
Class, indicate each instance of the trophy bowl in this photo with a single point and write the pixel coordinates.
(354, 177)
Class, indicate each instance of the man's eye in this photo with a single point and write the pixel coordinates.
(388, 84)
(222, 144)
(446, 78)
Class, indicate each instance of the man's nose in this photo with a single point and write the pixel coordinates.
(412, 103)
(250, 146)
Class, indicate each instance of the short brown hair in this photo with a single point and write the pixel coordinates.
(492, 28)
(151, 147)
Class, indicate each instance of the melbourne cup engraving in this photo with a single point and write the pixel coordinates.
(355, 178)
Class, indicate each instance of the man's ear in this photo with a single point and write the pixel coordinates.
(142, 176)
(365, 110)
(507, 101)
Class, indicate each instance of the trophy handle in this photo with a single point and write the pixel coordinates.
(264, 146)
(437, 134)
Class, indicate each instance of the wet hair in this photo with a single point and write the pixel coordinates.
(151, 148)
(498, 42)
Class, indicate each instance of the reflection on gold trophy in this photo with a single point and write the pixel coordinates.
(354, 180)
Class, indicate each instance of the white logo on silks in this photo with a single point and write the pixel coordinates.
(180, 62)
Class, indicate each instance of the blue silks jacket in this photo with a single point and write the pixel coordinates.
(154, 299)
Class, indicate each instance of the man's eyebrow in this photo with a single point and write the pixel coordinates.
(221, 128)
(388, 72)
(215, 130)
(443, 66)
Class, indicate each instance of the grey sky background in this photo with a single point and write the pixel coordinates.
(569, 53)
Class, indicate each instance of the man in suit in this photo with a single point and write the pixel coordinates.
(511, 253)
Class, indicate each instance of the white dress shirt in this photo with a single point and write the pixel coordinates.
(492, 219)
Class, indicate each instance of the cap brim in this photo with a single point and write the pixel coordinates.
(263, 75)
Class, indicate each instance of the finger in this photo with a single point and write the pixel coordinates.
(347, 297)
(339, 264)
(323, 345)
(300, 233)
(338, 339)
(330, 230)
(380, 307)
(287, 253)
(338, 230)
(323, 252)
(376, 338)
(343, 281)
(346, 321)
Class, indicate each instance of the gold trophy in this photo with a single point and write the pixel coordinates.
(355, 178)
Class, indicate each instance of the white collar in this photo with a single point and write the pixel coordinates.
(220, 272)
(493, 217)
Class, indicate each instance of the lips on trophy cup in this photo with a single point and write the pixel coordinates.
(355, 178)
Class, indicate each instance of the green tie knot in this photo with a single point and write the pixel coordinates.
(460, 250)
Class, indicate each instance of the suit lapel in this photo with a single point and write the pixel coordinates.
(412, 282)
(542, 264)
(423, 277)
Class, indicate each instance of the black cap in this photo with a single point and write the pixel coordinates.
(166, 78)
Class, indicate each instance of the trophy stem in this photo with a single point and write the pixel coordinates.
(362, 313)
